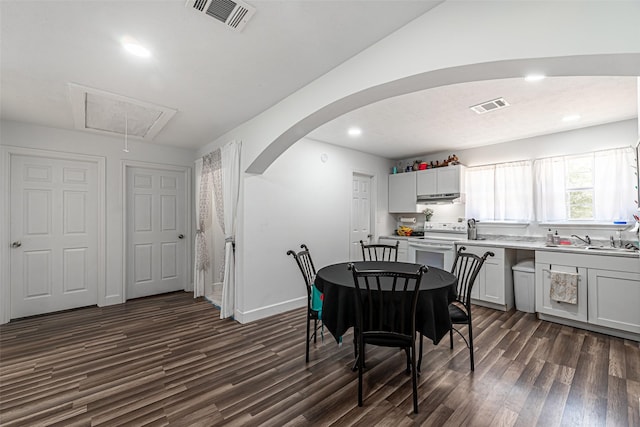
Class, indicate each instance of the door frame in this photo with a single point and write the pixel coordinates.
(6, 155)
(373, 205)
(187, 172)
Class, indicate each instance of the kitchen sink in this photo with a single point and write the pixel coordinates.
(592, 248)
(608, 248)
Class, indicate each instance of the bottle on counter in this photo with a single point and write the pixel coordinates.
(549, 237)
(556, 238)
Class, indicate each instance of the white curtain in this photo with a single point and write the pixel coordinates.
(209, 242)
(203, 208)
(614, 182)
(479, 188)
(514, 191)
(550, 189)
(230, 154)
(501, 192)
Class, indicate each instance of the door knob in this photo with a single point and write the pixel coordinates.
(181, 236)
(16, 244)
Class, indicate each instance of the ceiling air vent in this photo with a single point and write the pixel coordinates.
(493, 105)
(235, 14)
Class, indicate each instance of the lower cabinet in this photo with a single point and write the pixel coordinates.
(614, 299)
(608, 291)
(494, 284)
(403, 247)
(544, 303)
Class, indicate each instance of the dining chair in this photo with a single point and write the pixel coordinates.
(466, 267)
(308, 270)
(386, 302)
(379, 252)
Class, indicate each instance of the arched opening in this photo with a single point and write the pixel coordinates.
(624, 64)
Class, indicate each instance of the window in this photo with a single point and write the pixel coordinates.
(579, 188)
(598, 187)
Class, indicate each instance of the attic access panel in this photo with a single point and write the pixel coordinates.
(107, 113)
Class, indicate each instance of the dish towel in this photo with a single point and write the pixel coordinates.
(564, 287)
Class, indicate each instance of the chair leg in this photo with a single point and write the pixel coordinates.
(408, 354)
(308, 325)
(471, 346)
(420, 358)
(360, 371)
(315, 329)
(414, 378)
(451, 337)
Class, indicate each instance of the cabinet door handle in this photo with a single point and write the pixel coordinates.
(181, 236)
(16, 244)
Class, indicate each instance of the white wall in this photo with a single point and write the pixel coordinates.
(14, 134)
(301, 199)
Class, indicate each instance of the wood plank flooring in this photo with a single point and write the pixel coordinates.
(170, 360)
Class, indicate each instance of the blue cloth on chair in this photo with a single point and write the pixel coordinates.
(316, 300)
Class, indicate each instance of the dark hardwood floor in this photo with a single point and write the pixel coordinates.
(170, 360)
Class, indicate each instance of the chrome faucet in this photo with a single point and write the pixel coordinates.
(587, 239)
(612, 242)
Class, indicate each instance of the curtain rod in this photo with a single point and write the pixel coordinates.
(560, 155)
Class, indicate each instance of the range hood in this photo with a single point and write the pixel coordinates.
(447, 197)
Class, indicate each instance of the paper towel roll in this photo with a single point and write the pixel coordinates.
(408, 220)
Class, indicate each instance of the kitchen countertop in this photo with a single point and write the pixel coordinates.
(395, 236)
(533, 244)
(541, 246)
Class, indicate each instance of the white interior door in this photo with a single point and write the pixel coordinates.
(360, 214)
(156, 228)
(54, 234)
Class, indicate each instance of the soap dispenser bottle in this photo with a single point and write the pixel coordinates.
(549, 237)
(556, 238)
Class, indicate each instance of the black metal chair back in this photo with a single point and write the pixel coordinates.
(386, 303)
(379, 252)
(466, 268)
(308, 270)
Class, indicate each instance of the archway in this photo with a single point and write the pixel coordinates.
(624, 64)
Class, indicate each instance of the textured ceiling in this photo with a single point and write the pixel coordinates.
(440, 119)
(214, 77)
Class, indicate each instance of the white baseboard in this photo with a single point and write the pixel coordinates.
(112, 300)
(270, 310)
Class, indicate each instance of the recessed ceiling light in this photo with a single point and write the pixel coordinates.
(135, 48)
(534, 77)
(571, 118)
(354, 132)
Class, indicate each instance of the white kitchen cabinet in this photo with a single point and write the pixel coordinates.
(402, 192)
(494, 284)
(608, 292)
(614, 299)
(544, 303)
(403, 246)
(444, 180)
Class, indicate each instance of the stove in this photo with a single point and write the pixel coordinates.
(436, 248)
(443, 228)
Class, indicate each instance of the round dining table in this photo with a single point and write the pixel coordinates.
(437, 290)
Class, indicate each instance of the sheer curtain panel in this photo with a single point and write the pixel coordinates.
(231, 193)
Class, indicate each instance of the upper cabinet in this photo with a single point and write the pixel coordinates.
(402, 192)
(440, 183)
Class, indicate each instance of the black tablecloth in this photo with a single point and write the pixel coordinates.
(437, 289)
